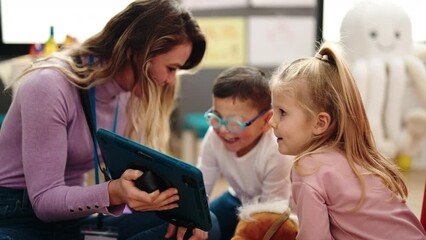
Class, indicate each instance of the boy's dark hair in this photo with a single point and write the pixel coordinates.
(244, 83)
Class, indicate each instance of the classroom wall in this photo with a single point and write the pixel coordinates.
(195, 94)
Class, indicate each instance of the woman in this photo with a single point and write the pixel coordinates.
(46, 146)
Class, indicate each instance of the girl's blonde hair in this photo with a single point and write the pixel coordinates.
(143, 30)
(324, 83)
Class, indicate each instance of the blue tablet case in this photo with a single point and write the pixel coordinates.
(120, 153)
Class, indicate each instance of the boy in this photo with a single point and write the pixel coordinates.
(240, 145)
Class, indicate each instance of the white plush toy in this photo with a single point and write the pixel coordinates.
(377, 37)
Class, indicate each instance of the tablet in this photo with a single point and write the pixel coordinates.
(120, 153)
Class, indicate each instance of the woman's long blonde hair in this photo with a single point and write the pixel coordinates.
(328, 86)
(143, 30)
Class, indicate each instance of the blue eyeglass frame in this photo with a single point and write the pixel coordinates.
(223, 122)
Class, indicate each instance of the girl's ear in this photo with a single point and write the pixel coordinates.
(323, 120)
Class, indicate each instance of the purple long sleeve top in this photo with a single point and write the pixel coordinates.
(46, 146)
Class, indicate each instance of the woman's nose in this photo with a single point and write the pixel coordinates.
(171, 79)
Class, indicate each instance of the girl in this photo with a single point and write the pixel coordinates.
(343, 187)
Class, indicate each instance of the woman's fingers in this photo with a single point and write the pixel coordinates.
(131, 174)
(156, 200)
(171, 229)
(168, 196)
(198, 234)
(180, 233)
(142, 201)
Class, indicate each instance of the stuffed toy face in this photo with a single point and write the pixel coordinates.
(377, 29)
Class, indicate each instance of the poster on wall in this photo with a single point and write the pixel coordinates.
(226, 41)
(214, 4)
(277, 39)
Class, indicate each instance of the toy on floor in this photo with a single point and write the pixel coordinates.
(266, 221)
(390, 77)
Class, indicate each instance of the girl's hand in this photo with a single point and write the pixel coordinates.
(124, 191)
(197, 234)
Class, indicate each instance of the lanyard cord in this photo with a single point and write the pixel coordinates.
(105, 170)
(88, 100)
(92, 103)
(95, 141)
(114, 127)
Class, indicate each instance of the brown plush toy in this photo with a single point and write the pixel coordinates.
(266, 221)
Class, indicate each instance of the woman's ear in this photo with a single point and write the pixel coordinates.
(323, 120)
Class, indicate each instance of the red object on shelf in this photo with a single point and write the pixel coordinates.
(36, 50)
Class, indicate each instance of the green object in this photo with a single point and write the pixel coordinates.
(2, 118)
(197, 123)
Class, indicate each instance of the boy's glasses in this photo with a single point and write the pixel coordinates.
(231, 124)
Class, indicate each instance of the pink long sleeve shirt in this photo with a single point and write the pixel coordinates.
(324, 200)
(46, 146)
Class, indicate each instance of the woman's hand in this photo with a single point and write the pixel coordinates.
(197, 234)
(124, 191)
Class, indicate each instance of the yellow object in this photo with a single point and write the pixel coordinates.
(50, 45)
(403, 161)
(69, 40)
